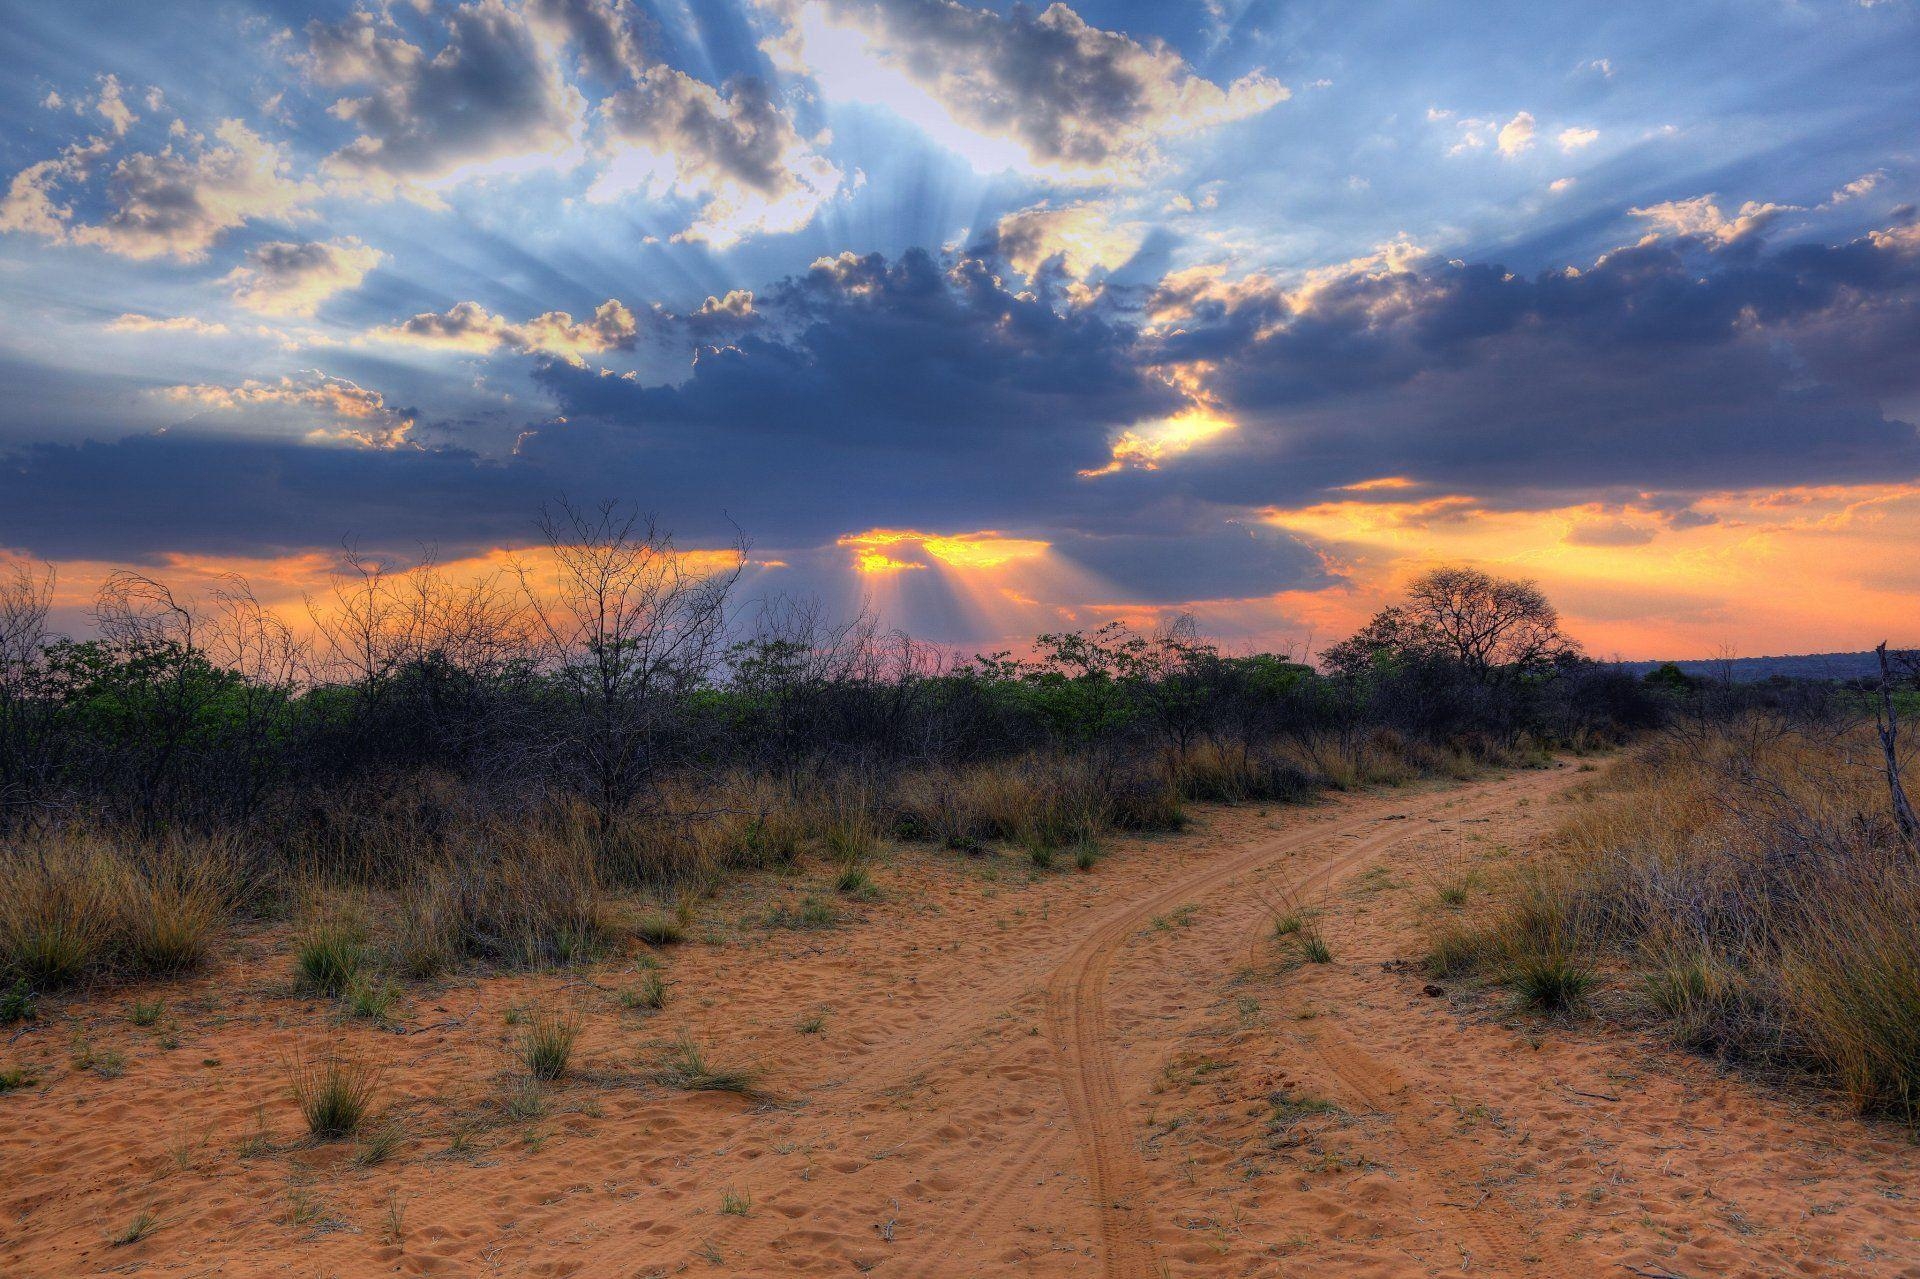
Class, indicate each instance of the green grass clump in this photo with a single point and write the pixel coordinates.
(335, 1093)
(330, 956)
(547, 1042)
(856, 881)
(649, 996)
(1551, 981)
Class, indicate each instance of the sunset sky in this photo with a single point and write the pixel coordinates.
(1004, 318)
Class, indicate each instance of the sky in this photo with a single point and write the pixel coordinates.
(995, 318)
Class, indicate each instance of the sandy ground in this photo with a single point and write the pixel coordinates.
(989, 1071)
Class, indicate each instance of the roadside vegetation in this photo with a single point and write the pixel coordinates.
(544, 765)
(1744, 881)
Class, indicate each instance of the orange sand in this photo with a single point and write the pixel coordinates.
(1117, 1073)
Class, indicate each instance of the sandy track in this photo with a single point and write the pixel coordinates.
(996, 1072)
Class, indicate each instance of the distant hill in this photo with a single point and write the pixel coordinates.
(1804, 666)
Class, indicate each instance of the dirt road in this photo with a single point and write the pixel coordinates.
(989, 1071)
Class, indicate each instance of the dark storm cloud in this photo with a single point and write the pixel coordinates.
(1674, 363)
(134, 497)
(925, 361)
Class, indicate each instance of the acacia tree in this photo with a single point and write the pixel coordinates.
(630, 626)
(1493, 628)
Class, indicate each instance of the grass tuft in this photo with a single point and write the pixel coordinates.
(547, 1041)
(335, 1093)
(685, 1066)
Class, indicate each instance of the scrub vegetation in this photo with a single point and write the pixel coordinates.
(540, 766)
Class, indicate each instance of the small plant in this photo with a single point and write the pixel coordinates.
(649, 996)
(17, 1003)
(1287, 924)
(258, 1142)
(1087, 856)
(735, 1203)
(139, 1228)
(335, 1093)
(812, 1025)
(16, 1077)
(1041, 855)
(1313, 946)
(1551, 981)
(546, 1043)
(107, 1063)
(856, 882)
(146, 1012)
(331, 956)
(660, 930)
(523, 1099)
(396, 1229)
(371, 997)
(813, 912)
(685, 1066)
(378, 1145)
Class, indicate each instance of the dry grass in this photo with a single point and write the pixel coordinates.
(1750, 882)
(75, 905)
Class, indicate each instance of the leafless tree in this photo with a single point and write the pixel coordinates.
(629, 625)
(27, 729)
(1887, 723)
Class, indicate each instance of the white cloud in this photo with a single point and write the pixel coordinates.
(1701, 216)
(736, 155)
(1572, 140)
(1516, 135)
(1046, 92)
(284, 278)
(172, 203)
(132, 322)
(1860, 186)
(470, 327)
(351, 414)
(1082, 237)
(1559, 185)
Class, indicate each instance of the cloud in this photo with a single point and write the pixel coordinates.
(110, 106)
(1516, 135)
(351, 414)
(132, 322)
(1703, 358)
(492, 101)
(1700, 216)
(1071, 99)
(1860, 186)
(1081, 238)
(173, 203)
(284, 278)
(735, 154)
(469, 327)
(600, 30)
(1572, 140)
(1559, 185)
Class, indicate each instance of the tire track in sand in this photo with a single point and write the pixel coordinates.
(1443, 1159)
(1077, 1025)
